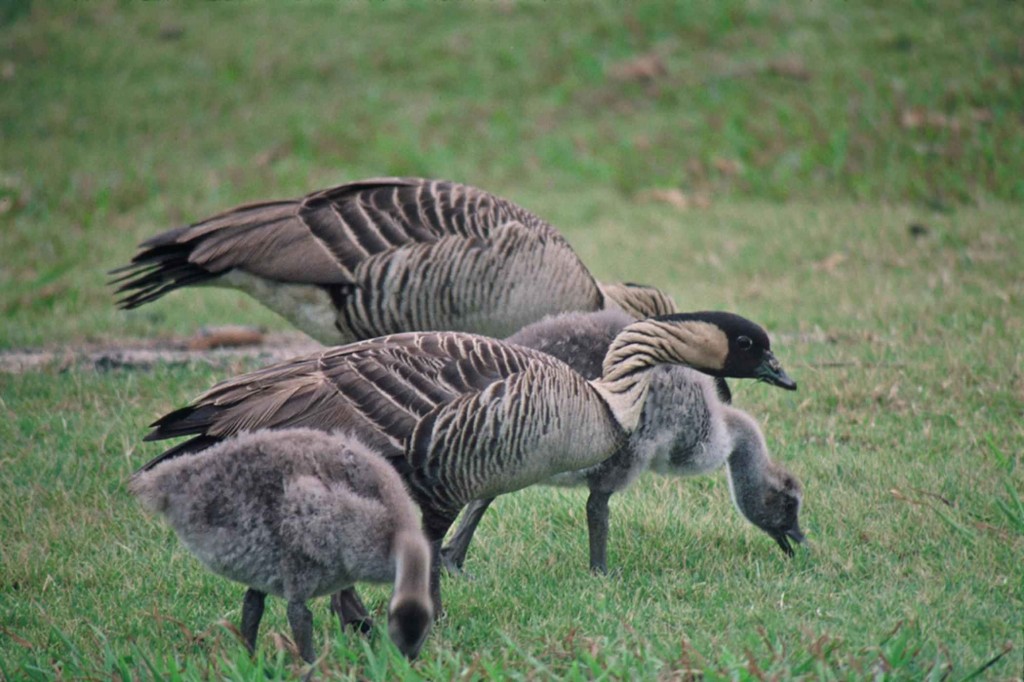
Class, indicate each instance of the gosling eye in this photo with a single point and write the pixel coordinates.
(744, 343)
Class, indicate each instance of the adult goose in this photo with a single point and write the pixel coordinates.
(685, 428)
(384, 256)
(465, 417)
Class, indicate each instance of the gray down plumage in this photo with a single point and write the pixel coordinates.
(297, 513)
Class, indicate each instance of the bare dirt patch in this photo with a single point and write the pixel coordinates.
(216, 347)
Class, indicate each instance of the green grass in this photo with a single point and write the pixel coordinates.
(119, 120)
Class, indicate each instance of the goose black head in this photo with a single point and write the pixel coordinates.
(744, 349)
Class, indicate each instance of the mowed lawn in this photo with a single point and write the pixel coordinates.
(851, 177)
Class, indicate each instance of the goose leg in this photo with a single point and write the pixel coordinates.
(453, 555)
(435, 577)
(350, 610)
(435, 525)
(301, 620)
(252, 613)
(597, 525)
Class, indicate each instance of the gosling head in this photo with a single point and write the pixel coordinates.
(727, 345)
(409, 621)
(777, 512)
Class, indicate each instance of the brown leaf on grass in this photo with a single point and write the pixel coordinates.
(981, 115)
(188, 634)
(695, 169)
(673, 197)
(7, 71)
(505, 6)
(830, 264)
(688, 668)
(593, 645)
(1001, 533)
(727, 167)
(935, 496)
(790, 67)
(16, 189)
(645, 67)
(880, 392)
(753, 668)
(232, 628)
(283, 643)
(916, 118)
(275, 153)
(229, 336)
(40, 296)
(901, 497)
(676, 198)
(20, 641)
(822, 646)
(642, 143)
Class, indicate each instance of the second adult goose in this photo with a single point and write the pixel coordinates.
(685, 429)
(465, 417)
(384, 256)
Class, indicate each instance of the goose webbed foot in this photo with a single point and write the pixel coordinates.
(350, 610)
(451, 565)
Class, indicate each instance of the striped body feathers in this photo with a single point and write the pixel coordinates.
(463, 417)
(384, 256)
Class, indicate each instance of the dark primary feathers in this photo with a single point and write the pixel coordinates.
(383, 256)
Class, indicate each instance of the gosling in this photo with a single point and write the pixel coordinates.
(298, 513)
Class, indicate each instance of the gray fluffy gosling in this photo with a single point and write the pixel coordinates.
(298, 513)
(685, 429)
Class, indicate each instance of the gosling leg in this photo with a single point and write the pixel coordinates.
(350, 610)
(597, 525)
(301, 620)
(453, 555)
(252, 613)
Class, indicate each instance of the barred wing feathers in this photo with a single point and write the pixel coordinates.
(324, 237)
(428, 401)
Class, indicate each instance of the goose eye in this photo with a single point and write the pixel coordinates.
(744, 343)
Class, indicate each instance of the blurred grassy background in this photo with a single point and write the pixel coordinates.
(848, 174)
(121, 119)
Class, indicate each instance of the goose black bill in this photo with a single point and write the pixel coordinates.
(770, 371)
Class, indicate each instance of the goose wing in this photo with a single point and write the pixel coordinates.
(378, 389)
(520, 429)
(320, 238)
